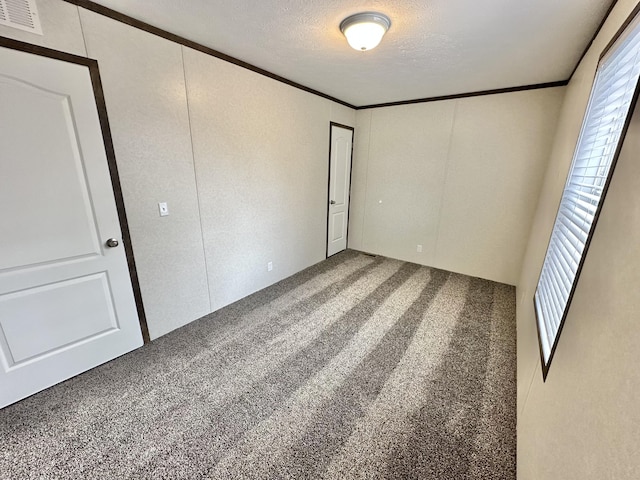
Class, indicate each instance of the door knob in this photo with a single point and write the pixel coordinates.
(332, 202)
(112, 242)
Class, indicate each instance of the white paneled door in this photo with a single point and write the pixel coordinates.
(339, 183)
(66, 299)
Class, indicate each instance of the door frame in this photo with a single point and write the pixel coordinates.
(98, 94)
(353, 133)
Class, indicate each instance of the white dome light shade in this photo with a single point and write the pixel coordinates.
(364, 31)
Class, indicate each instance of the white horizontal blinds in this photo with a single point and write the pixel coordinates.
(604, 120)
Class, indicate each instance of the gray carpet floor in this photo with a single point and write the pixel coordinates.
(358, 367)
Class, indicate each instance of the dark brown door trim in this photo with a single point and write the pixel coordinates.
(331, 125)
(94, 72)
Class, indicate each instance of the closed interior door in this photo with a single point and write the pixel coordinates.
(66, 299)
(339, 185)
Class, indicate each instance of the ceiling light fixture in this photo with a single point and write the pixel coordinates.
(365, 30)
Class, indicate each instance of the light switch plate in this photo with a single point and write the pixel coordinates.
(164, 209)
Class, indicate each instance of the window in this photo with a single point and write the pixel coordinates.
(606, 120)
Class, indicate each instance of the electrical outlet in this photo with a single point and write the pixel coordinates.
(419, 248)
(164, 209)
(269, 266)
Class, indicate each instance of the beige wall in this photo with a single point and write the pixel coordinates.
(583, 422)
(242, 161)
(231, 151)
(261, 157)
(459, 177)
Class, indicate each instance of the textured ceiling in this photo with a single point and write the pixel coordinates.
(433, 48)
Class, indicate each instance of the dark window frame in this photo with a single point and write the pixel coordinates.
(546, 365)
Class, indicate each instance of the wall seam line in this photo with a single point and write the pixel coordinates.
(444, 183)
(526, 397)
(84, 38)
(366, 182)
(195, 176)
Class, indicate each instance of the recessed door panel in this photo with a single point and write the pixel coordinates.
(338, 225)
(41, 178)
(339, 184)
(63, 314)
(342, 152)
(66, 299)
